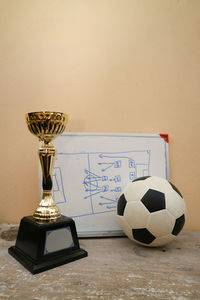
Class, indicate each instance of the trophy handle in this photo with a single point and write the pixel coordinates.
(47, 209)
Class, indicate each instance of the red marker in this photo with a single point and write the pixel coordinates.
(165, 136)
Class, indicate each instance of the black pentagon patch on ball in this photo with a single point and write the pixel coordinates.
(121, 205)
(143, 235)
(141, 178)
(175, 188)
(178, 225)
(153, 200)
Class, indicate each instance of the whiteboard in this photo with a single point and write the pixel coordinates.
(92, 169)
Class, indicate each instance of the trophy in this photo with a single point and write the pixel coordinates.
(47, 239)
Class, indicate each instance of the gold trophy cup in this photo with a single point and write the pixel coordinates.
(46, 126)
(47, 239)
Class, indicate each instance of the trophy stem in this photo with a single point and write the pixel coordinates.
(47, 210)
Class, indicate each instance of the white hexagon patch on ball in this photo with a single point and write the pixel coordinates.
(151, 211)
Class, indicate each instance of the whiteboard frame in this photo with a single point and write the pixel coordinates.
(113, 233)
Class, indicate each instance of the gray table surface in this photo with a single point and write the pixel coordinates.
(115, 269)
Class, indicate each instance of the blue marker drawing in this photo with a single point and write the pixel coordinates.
(132, 176)
(58, 187)
(96, 179)
(108, 201)
(91, 181)
(55, 183)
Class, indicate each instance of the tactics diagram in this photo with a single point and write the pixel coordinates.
(98, 178)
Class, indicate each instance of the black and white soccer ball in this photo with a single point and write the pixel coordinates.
(151, 211)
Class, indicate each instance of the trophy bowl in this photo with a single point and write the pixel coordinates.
(46, 125)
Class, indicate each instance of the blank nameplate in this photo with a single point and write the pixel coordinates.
(58, 239)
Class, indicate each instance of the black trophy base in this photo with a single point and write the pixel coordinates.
(43, 246)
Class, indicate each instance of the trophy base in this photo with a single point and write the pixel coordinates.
(43, 246)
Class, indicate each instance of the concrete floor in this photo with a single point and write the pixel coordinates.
(115, 269)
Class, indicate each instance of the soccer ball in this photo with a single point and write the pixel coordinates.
(151, 211)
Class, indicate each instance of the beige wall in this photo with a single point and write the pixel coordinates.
(113, 66)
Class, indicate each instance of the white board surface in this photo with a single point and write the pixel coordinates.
(92, 169)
